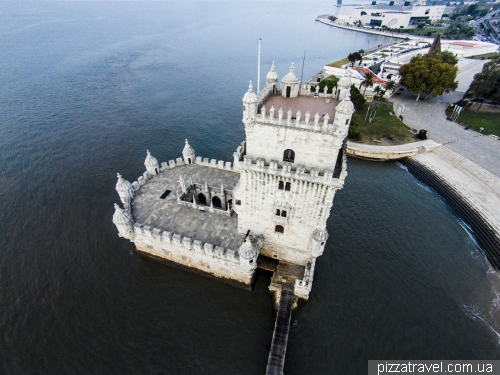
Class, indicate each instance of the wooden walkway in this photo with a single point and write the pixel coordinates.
(276, 361)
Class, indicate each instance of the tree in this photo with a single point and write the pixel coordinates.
(446, 57)
(378, 91)
(331, 82)
(353, 57)
(429, 74)
(486, 84)
(391, 86)
(357, 98)
(368, 81)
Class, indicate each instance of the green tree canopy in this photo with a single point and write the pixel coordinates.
(354, 56)
(357, 98)
(486, 84)
(429, 74)
(368, 81)
(331, 82)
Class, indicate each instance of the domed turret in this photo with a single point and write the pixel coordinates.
(345, 106)
(188, 154)
(248, 255)
(272, 77)
(151, 164)
(343, 114)
(290, 84)
(249, 104)
(344, 85)
(124, 222)
(124, 189)
(317, 241)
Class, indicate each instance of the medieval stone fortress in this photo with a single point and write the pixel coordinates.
(267, 208)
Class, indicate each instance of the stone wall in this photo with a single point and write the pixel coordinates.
(206, 258)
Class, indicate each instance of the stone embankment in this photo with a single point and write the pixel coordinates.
(469, 189)
(384, 153)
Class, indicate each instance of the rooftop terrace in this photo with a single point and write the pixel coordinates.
(166, 214)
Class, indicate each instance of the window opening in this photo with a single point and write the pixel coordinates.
(277, 212)
(281, 185)
(289, 155)
(279, 229)
(202, 199)
(283, 213)
(216, 202)
(288, 186)
(165, 194)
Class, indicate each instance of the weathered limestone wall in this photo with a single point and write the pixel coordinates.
(314, 149)
(207, 258)
(307, 207)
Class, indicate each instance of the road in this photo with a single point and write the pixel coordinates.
(430, 115)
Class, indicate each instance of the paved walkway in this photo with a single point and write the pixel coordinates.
(429, 114)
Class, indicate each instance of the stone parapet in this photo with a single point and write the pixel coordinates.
(289, 170)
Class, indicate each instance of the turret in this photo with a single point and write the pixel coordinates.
(124, 223)
(249, 104)
(188, 154)
(272, 79)
(317, 242)
(124, 189)
(151, 164)
(290, 84)
(343, 86)
(343, 114)
(248, 255)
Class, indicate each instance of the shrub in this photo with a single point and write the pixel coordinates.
(422, 134)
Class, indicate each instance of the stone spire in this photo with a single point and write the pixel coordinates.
(249, 104)
(124, 223)
(124, 189)
(272, 76)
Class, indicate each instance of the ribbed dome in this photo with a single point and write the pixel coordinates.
(291, 77)
(188, 150)
(345, 81)
(272, 75)
(320, 235)
(250, 96)
(150, 161)
(247, 251)
(122, 184)
(345, 106)
(122, 216)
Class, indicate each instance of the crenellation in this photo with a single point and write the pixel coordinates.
(179, 162)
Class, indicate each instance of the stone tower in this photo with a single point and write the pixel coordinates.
(188, 154)
(152, 165)
(290, 169)
(272, 79)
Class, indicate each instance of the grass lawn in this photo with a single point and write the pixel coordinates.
(338, 64)
(383, 126)
(426, 30)
(490, 121)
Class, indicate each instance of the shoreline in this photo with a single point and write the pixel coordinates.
(323, 19)
(469, 189)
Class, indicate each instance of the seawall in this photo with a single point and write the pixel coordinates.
(470, 190)
(385, 153)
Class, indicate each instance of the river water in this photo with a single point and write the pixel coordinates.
(86, 88)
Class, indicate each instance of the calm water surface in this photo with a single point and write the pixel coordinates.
(86, 88)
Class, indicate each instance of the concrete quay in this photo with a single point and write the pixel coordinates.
(385, 153)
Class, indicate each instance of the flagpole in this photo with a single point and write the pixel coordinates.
(258, 69)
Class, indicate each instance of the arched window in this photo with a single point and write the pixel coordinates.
(289, 156)
(288, 186)
(202, 199)
(281, 185)
(279, 229)
(216, 202)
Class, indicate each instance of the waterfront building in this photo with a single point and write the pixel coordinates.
(267, 208)
(394, 16)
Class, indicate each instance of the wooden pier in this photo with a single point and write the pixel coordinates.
(276, 361)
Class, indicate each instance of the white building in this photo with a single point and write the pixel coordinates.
(269, 206)
(392, 16)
